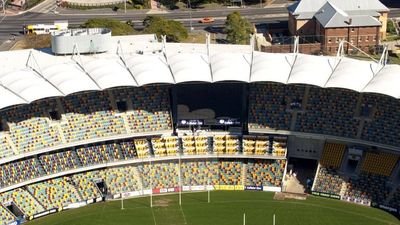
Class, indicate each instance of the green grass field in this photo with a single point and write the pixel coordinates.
(226, 208)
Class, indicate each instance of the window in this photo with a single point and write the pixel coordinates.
(122, 106)
(352, 29)
(55, 115)
(329, 40)
(366, 38)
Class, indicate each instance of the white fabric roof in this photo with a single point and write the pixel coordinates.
(231, 67)
(60, 75)
(273, 67)
(103, 72)
(352, 74)
(386, 82)
(188, 67)
(149, 69)
(310, 69)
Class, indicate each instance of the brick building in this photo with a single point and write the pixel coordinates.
(360, 22)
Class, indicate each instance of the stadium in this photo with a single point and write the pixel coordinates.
(170, 133)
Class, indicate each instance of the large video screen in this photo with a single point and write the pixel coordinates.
(210, 103)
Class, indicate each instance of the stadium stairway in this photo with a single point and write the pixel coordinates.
(11, 144)
(33, 196)
(75, 187)
(244, 173)
(305, 97)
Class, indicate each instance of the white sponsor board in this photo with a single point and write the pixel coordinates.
(272, 189)
(75, 205)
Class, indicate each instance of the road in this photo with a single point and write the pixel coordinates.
(13, 24)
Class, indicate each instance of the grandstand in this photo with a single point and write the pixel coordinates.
(121, 134)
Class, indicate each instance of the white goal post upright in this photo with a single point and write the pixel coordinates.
(151, 185)
(208, 190)
(273, 220)
(180, 181)
(244, 218)
(122, 199)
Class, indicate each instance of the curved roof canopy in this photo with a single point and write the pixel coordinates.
(61, 75)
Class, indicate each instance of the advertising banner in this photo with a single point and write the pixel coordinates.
(357, 201)
(229, 187)
(253, 188)
(326, 195)
(75, 205)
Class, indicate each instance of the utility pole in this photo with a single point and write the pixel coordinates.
(3, 3)
(190, 15)
(125, 5)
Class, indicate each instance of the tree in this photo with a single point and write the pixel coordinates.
(116, 27)
(173, 30)
(238, 29)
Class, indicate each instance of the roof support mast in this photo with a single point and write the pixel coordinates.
(121, 55)
(164, 50)
(75, 51)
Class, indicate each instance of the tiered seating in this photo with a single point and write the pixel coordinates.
(384, 127)
(5, 148)
(142, 148)
(30, 127)
(395, 200)
(60, 161)
(328, 181)
(89, 116)
(159, 148)
(368, 187)
(265, 172)
(279, 146)
(5, 216)
(86, 185)
(262, 145)
(202, 145)
(232, 144)
(99, 154)
(188, 145)
(18, 171)
(150, 108)
(267, 104)
(172, 146)
(379, 163)
(249, 145)
(23, 200)
(123, 179)
(159, 175)
(219, 144)
(128, 150)
(329, 112)
(332, 155)
(199, 173)
(230, 172)
(55, 193)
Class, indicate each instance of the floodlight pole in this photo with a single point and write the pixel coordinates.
(125, 5)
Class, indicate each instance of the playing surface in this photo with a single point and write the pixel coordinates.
(226, 208)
